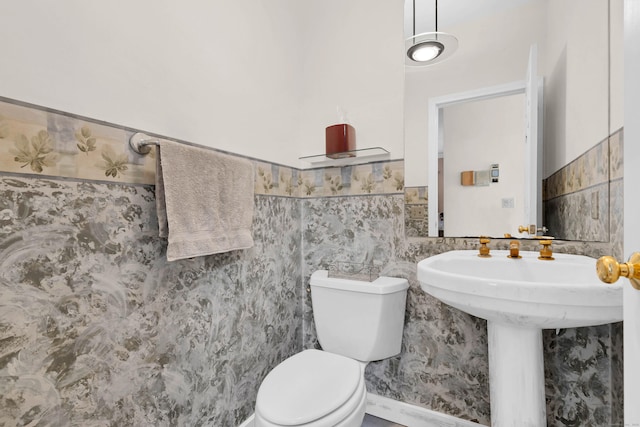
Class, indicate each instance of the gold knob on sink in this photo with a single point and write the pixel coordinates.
(514, 250)
(609, 269)
(546, 254)
(484, 249)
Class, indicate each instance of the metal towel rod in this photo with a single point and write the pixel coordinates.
(140, 143)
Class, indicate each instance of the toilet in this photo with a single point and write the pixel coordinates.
(356, 322)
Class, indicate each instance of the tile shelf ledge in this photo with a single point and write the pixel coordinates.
(353, 157)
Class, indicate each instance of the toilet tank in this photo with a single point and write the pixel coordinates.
(360, 320)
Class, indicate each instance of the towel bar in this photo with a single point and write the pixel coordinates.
(140, 143)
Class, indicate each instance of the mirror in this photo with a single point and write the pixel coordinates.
(477, 136)
(573, 52)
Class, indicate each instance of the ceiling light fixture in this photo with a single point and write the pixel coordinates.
(429, 48)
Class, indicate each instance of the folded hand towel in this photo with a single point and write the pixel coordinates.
(204, 200)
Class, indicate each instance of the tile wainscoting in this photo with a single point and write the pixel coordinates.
(583, 200)
(97, 326)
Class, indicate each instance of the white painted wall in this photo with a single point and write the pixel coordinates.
(617, 64)
(492, 50)
(231, 75)
(577, 80)
(354, 59)
(477, 134)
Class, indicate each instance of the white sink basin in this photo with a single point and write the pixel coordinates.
(519, 298)
(528, 292)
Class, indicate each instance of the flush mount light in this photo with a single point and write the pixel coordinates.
(429, 48)
(425, 51)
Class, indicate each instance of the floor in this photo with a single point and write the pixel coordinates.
(371, 421)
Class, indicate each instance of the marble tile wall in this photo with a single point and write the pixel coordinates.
(577, 197)
(443, 364)
(584, 201)
(416, 212)
(96, 327)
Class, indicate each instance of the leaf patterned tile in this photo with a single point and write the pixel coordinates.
(47, 143)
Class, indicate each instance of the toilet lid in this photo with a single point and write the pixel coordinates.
(307, 386)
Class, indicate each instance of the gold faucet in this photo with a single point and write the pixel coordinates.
(514, 249)
(546, 254)
(484, 249)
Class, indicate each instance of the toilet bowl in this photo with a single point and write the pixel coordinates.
(356, 322)
(313, 389)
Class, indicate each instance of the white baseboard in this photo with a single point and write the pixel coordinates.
(411, 415)
(248, 422)
(402, 413)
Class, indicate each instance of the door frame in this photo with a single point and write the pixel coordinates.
(631, 297)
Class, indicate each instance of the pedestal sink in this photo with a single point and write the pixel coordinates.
(519, 298)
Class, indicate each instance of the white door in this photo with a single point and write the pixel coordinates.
(631, 296)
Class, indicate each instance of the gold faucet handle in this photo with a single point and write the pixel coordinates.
(484, 249)
(514, 249)
(609, 269)
(523, 229)
(546, 252)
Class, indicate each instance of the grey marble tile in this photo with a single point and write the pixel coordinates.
(96, 328)
(582, 215)
(443, 364)
(578, 382)
(583, 200)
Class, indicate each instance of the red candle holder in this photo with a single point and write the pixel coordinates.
(340, 141)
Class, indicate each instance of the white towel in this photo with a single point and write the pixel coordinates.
(204, 200)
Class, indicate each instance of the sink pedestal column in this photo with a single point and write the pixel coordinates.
(516, 376)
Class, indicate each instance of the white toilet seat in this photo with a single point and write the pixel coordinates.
(312, 389)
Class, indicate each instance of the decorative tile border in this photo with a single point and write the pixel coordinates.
(416, 195)
(416, 211)
(35, 140)
(370, 178)
(580, 200)
(588, 170)
(616, 163)
(41, 142)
